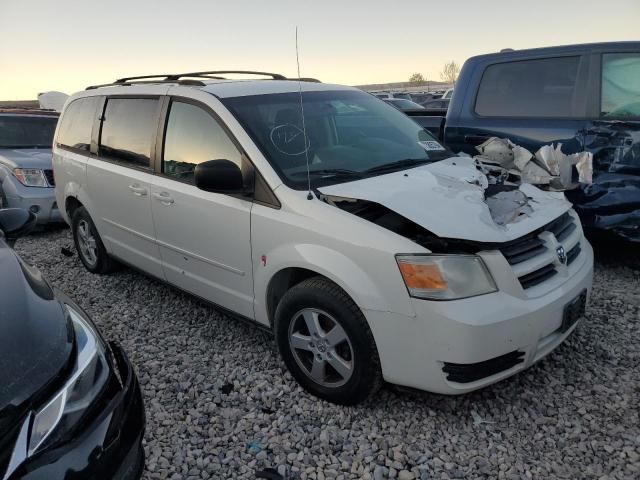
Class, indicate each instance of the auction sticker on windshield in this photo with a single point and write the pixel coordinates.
(431, 146)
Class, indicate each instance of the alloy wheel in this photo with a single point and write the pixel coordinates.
(87, 242)
(321, 347)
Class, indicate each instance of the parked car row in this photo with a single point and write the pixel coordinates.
(418, 98)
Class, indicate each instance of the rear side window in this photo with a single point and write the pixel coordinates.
(193, 136)
(77, 123)
(620, 85)
(531, 88)
(128, 130)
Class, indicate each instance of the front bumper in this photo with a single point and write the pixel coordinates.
(414, 351)
(108, 446)
(39, 200)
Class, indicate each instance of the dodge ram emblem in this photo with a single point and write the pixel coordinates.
(562, 255)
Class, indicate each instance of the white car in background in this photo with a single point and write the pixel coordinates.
(448, 95)
(371, 251)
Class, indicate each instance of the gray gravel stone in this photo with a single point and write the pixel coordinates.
(214, 386)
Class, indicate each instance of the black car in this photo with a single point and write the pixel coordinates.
(70, 403)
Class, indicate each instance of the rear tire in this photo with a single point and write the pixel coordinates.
(326, 343)
(89, 245)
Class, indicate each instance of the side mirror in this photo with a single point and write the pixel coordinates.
(220, 176)
(15, 223)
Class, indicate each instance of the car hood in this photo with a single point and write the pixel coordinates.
(449, 198)
(36, 340)
(26, 158)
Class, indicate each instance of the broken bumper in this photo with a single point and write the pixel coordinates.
(499, 333)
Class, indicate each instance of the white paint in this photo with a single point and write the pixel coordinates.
(445, 198)
(212, 245)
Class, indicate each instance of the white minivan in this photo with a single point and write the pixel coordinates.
(322, 213)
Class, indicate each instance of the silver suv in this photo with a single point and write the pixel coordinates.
(26, 174)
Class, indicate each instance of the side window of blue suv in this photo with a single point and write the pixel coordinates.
(620, 85)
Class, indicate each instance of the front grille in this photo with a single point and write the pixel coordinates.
(50, 179)
(533, 258)
(573, 253)
(562, 227)
(470, 372)
(537, 276)
(521, 251)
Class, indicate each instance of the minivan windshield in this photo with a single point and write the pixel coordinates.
(349, 135)
(22, 131)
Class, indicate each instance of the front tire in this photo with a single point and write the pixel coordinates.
(89, 245)
(326, 343)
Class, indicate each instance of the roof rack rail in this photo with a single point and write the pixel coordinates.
(179, 82)
(274, 76)
(189, 78)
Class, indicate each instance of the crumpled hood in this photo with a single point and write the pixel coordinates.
(35, 338)
(448, 199)
(26, 158)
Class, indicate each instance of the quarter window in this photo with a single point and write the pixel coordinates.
(77, 123)
(620, 85)
(532, 88)
(128, 130)
(193, 136)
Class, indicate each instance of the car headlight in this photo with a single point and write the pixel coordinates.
(30, 177)
(445, 277)
(87, 379)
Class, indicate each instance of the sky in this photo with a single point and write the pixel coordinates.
(66, 45)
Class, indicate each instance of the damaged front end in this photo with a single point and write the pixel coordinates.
(531, 256)
(448, 204)
(602, 182)
(449, 207)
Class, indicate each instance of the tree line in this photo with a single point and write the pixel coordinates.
(448, 74)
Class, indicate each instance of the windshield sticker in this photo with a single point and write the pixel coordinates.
(431, 146)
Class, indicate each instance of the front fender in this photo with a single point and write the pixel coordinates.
(337, 267)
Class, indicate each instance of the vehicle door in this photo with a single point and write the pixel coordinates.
(118, 180)
(532, 101)
(612, 134)
(204, 237)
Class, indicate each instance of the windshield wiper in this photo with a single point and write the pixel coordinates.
(399, 165)
(331, 172)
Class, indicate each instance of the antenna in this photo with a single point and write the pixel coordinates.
(304, 128)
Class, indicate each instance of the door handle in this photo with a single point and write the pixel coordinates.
(164, 198)
(138, 190)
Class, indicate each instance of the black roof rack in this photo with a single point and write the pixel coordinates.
(188, 78)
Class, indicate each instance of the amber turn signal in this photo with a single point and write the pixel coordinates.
(422, 276)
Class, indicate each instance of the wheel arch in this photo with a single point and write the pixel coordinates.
(291, 265)
(75, 197)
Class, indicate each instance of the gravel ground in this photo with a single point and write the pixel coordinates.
(220, 404)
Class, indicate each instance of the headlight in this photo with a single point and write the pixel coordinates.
(85, 383)
(445, 277)
(30, 177)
